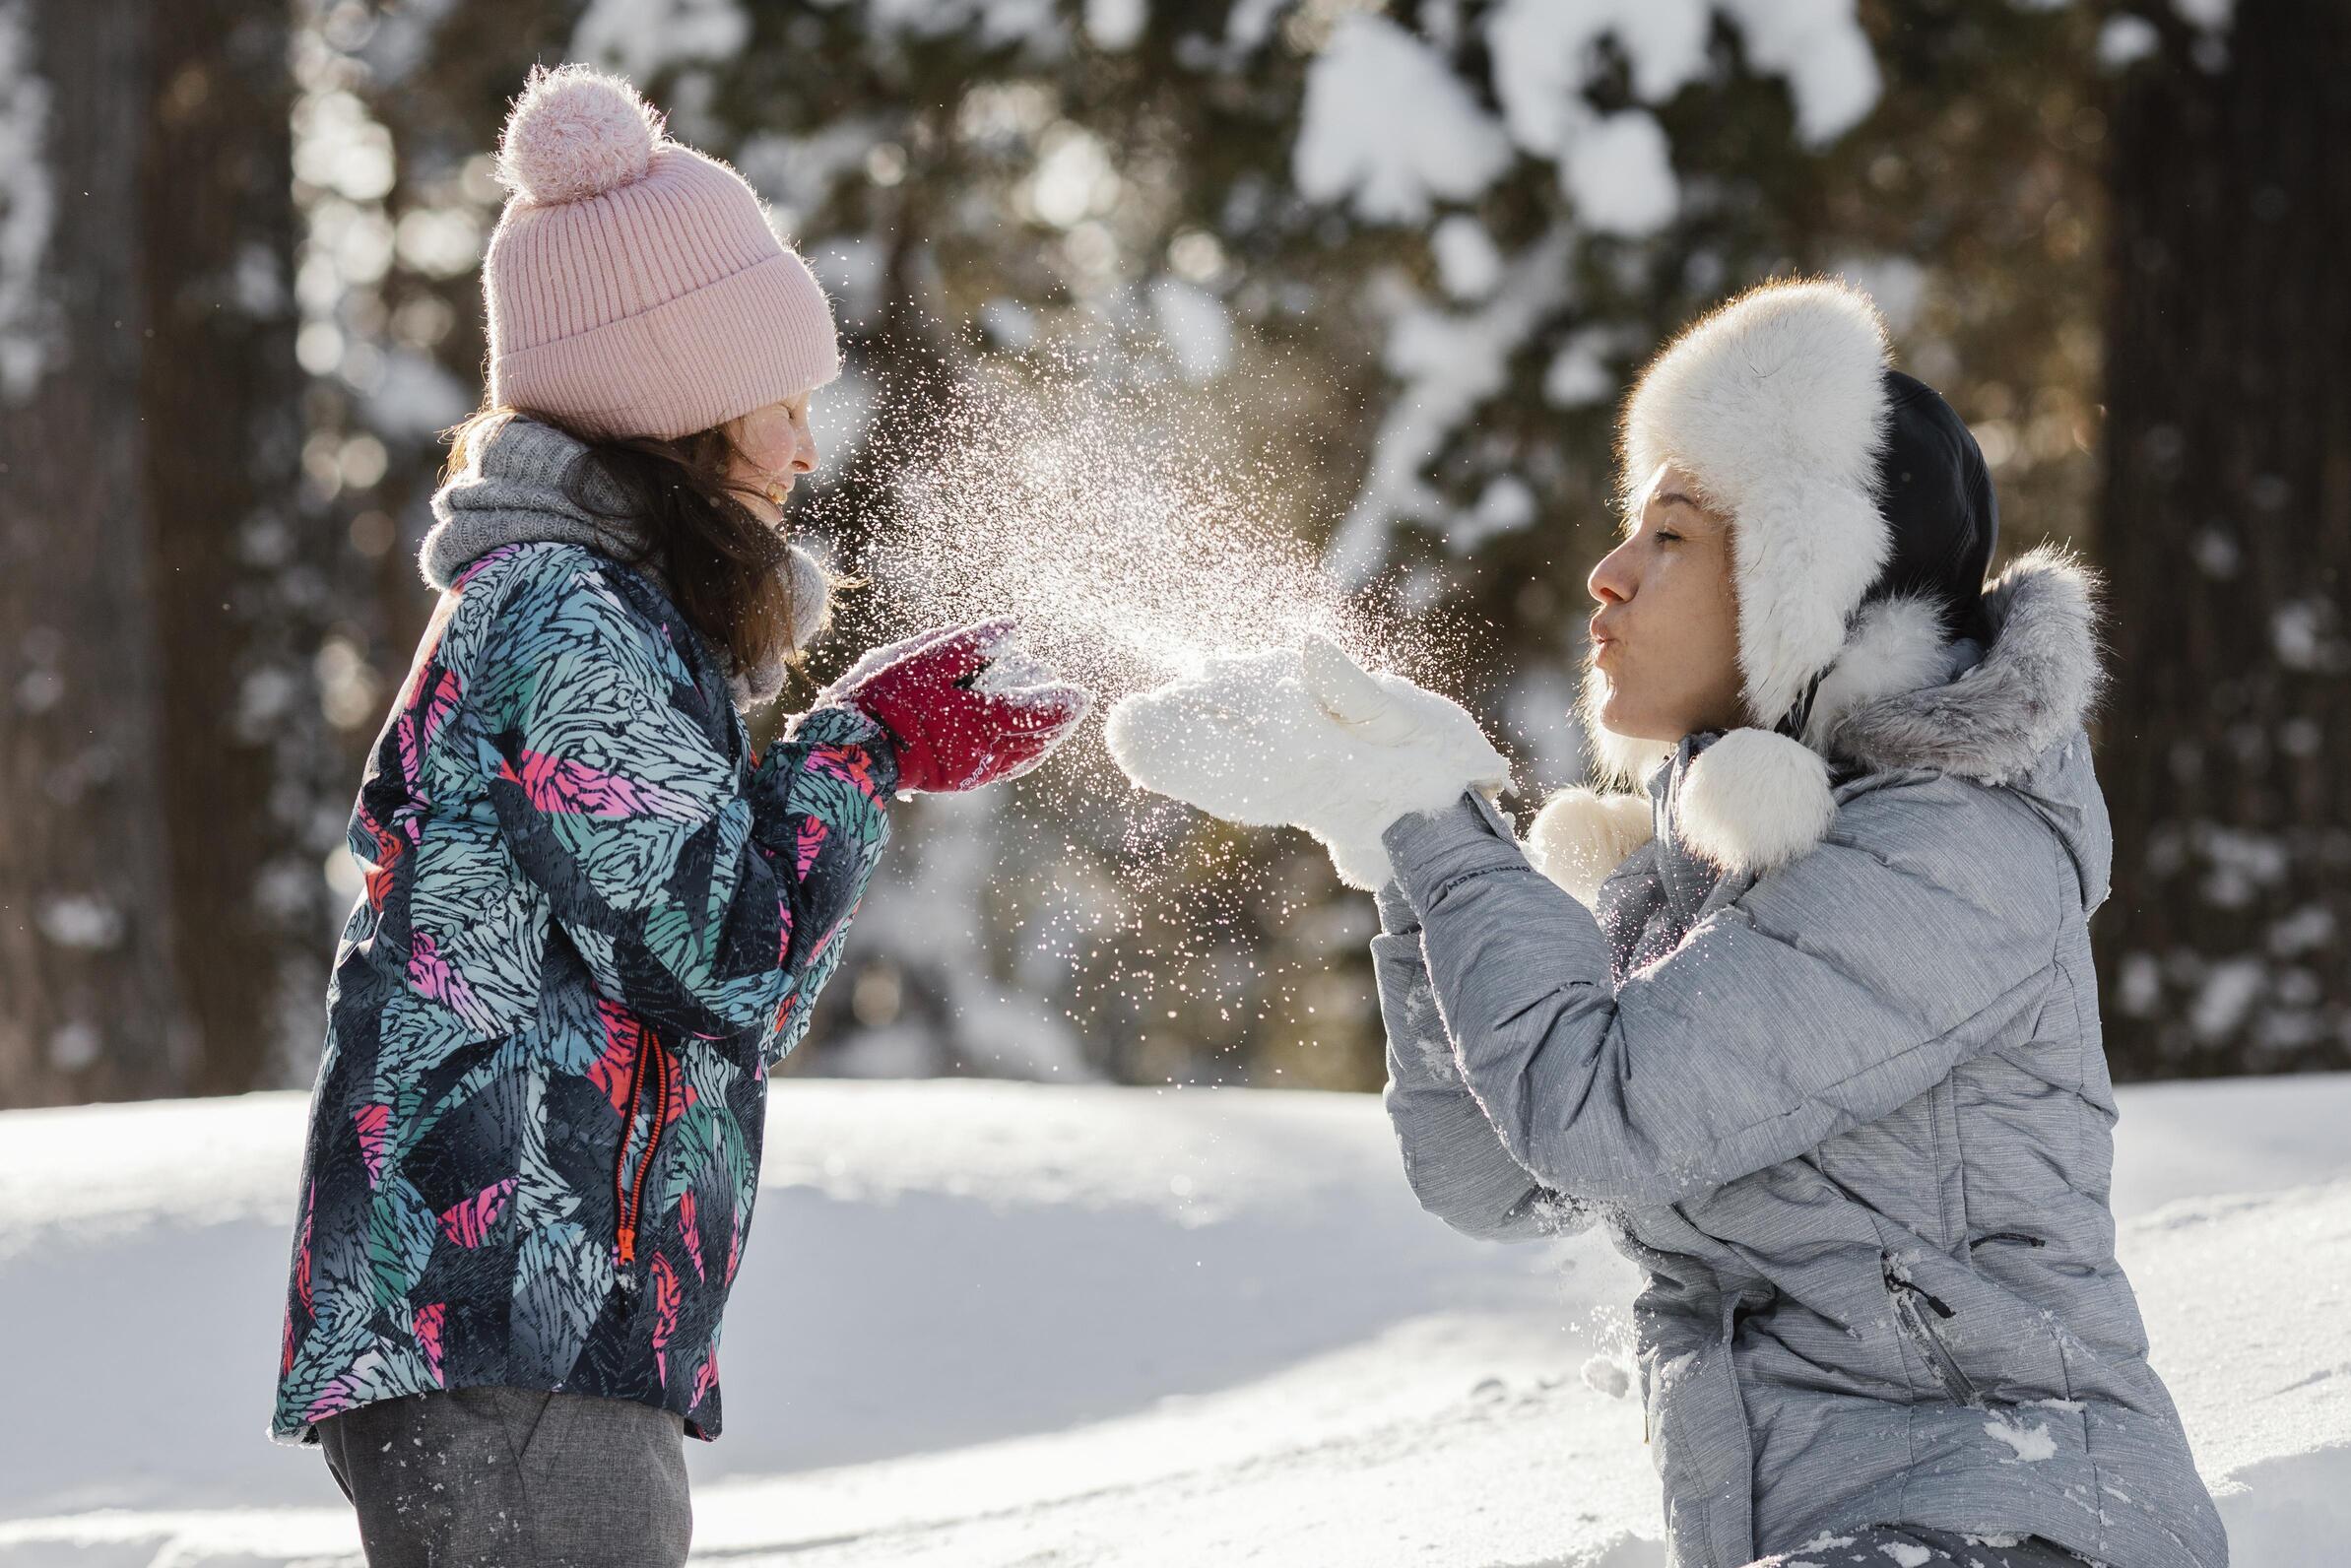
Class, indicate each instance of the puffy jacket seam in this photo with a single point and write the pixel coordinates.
(1910, 1438)
(1827, 961)
(2061, 859)
(2081, 1055)
(1967, 1223)
(2081, 1050)
(1909, 867)
(1935, 1143)
(1824, 1090)
(2089, 1445)
(1443, 889)
(1559, 990)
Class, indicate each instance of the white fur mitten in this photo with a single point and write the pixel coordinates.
(1305, 738)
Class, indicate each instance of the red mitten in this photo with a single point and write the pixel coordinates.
(962, 705)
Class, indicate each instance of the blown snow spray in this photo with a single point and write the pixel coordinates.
(1105, 514)
(1120, 520)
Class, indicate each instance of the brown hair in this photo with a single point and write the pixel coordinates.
(725, 566)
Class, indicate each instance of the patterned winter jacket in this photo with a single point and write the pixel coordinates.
(593, 919)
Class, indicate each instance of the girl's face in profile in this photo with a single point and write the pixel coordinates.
(1665, 638)
(773, 447)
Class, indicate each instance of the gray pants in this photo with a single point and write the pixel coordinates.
(495, 1478)
(1909, 1546)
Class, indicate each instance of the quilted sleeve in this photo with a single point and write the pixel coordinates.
(1832, 992)
(1451, 1155)
(698, 904)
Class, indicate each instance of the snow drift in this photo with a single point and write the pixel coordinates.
(989, 1324)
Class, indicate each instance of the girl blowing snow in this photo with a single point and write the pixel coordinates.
(593, 918)
(1807, 1019)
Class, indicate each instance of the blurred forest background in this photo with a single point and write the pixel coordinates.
(1414, 250)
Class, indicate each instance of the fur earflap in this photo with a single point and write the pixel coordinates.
(1580, 836)
(1776, 405)
(1754, 799)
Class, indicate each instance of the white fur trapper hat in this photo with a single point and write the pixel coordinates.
(1778, 405)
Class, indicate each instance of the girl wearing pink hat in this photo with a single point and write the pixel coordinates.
(593, 918)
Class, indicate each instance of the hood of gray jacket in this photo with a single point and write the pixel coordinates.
(2012, 714)
(519, 487)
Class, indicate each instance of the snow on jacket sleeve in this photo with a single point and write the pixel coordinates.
(1451, 1155)
(1833, 991)
(696, 902)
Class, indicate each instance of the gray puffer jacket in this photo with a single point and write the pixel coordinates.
(1851, 1118)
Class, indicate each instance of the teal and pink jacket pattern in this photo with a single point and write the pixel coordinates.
(593, 919)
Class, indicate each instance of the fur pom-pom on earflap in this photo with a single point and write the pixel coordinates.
(1754, 799)
(576, 132)
(1581, 836)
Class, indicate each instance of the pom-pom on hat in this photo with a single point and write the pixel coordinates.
(634, 285)
(575, 133)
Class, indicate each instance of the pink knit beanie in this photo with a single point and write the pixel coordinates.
(634, 286)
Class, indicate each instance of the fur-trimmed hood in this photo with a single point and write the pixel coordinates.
(1902, 697)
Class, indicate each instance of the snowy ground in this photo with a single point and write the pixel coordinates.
(987, 1323)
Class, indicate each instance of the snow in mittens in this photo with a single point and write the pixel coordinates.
(1015, 672)
(988, 1324)
(1303, 736)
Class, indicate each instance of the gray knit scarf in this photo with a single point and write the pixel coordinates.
(513, 491)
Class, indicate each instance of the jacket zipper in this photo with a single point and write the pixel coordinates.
(630, 1196)
(1908, 1297)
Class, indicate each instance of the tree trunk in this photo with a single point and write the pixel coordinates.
(160, 732)
(2227, 540)
(240, 586)
(89, 999)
